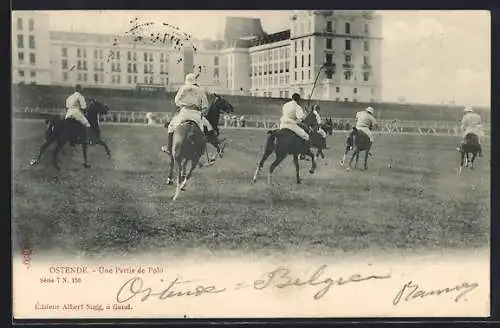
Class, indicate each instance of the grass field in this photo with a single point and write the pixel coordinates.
(123, 204)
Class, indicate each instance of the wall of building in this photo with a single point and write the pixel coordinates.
(31, 47)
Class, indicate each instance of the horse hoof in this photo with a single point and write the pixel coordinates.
(299, 182)
(311, 171)
(86, 166)
(170, 182)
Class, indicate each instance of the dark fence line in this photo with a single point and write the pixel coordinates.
(160, 101)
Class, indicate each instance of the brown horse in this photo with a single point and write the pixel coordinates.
(69, 130)
(358, 141)
(188, 144)
(469, 151)
(284, 142)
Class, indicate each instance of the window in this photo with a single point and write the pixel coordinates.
(65, 76)
(355, 90)
(31, 24)
(64, 52)
(365, 60)
(20, 41)
(337, 89)
(309, 60)
(21, 73)
(85, 65)
(309, 41)
(295, 76)
(79, 77)
(302, 75)
(146, 59)
(135, 56)
(118, 55)
(302, 61)
(366, 28)
(296, 62)
(329, 26)
(150, 58)
(32, 42)
(348, 59)
(20, 57)
(84, 77)
(329, 43)
(302, 45)
(295, 45)
(216, 73)
(366, 46)
(78, 52)
(96, 78)
(129, 79)
(129, 68)
(328, 59)
(347, 75)
(65, 64)
(347, 44)
(129, 55)
(346, 99)
(32, 59)
(309, 74)
(79, 64)
(366, 76)
(216, 60)
(19, 23)
(347, 28)
(135, 79)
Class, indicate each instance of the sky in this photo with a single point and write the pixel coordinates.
(427, 56)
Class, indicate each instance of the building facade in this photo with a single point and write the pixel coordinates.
(327, 55)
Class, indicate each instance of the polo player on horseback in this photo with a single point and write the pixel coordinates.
(292, 115)
(471, 123)
(193, 103)
(75, 105)
(365, 122)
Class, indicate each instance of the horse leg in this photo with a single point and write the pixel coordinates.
(59, 146)
(473, 161)
(188, 175)
(297, 169)
(184, 167)
(170, 171)
(106, 148)
(367, 152)
(84, 151)
(277, 161)
(42, 150)
(178, 163)
(354, 153)
(313, 161)
(267, 152)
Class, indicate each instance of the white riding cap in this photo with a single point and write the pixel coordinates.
(190, 79)
(468, 109)
(370, 110)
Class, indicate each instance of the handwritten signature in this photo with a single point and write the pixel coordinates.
(280, 278)
(411, 291)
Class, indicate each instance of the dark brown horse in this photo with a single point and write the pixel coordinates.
(469, 151)
(218, 105)
(284, 142)
(70, 130)
(188, 144)
(358, 141)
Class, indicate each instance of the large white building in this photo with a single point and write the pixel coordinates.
(338, 53)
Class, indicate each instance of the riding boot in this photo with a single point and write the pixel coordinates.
(480, 154)
(170, 138)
